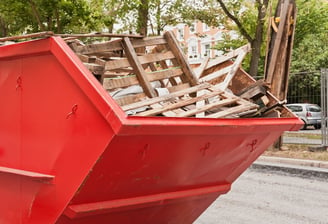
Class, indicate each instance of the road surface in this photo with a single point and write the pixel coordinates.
(267, 198)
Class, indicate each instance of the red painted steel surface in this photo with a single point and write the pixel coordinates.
(69, 154)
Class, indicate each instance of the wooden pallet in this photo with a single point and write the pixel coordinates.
(151, 77)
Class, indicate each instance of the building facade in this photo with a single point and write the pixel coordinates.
(198, 40)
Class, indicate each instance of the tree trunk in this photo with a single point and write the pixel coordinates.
(258, 38)
(3, 28)
(36, 15)
(255, 57)
(158, 18)
(58, 21)
(143, 17)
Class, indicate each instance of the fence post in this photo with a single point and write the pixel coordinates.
(324, 109)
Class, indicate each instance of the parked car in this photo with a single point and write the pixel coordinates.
(309, 113)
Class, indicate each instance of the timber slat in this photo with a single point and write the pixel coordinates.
(113, 83)
(156, 57)
(116, 64)
(136, 65)
(133, 80)
(232, 110)
(275, 50)
(178, 104)
(114, 45)
(122, 63)
(170, 96)
(164, 74)
(129, 99)
(209, 106)
(180, 57)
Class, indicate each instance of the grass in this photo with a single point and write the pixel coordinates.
(298, 151)
(303, 135)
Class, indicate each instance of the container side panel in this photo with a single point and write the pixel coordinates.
(49, 129)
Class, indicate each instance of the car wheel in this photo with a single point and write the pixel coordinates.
(317, 126)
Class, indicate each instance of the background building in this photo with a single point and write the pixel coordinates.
(198, 40)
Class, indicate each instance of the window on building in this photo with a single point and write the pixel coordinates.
(192, 28)
(207, 50)
(205, 27)
(180, 34)
(193, 50)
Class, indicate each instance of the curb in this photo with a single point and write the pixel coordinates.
(295, 167)
(298, 162)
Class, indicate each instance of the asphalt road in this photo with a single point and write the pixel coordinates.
(267, 198)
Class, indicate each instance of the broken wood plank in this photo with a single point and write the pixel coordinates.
(216, 104)
(232, 54)
(167, 97)
(129, 80)
(28, 36)
(178, 87)
(113, 35)
(95, 68)
(180, 103)
(140, 72)
(120, 82)
(129, 99)
(165, 113)
(216, 74)
(200, 103)
(148, 58)
(233, 110)
(114, 45)
(83, 58)
(148, 41)
(200, 70)
(234, 69)
(180, 57)
(254, 91)
(164, 74)
(276, 45)
(122, 63)
(115, 64)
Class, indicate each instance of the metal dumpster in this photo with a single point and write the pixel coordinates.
(69, 154)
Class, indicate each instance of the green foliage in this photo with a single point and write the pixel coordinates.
(311, 38)
(61, 16)
(311, 53)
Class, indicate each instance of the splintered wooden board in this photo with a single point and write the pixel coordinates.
(183, 103)
(121, 64)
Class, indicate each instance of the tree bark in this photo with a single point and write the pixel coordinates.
(143, 11)
(36, 15)
(258, 39)
(3, 27)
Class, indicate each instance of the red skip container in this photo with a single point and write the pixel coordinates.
(69, 154)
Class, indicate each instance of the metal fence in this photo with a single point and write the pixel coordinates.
(305, 88)
(309, 87)
(324, 107)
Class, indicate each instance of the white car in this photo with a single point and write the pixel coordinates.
(309, 113)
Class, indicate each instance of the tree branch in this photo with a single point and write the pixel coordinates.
(236, 20)
(36, 14)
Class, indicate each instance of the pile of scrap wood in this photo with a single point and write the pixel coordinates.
(151, 77)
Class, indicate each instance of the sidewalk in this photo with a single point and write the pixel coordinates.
(295, 167)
